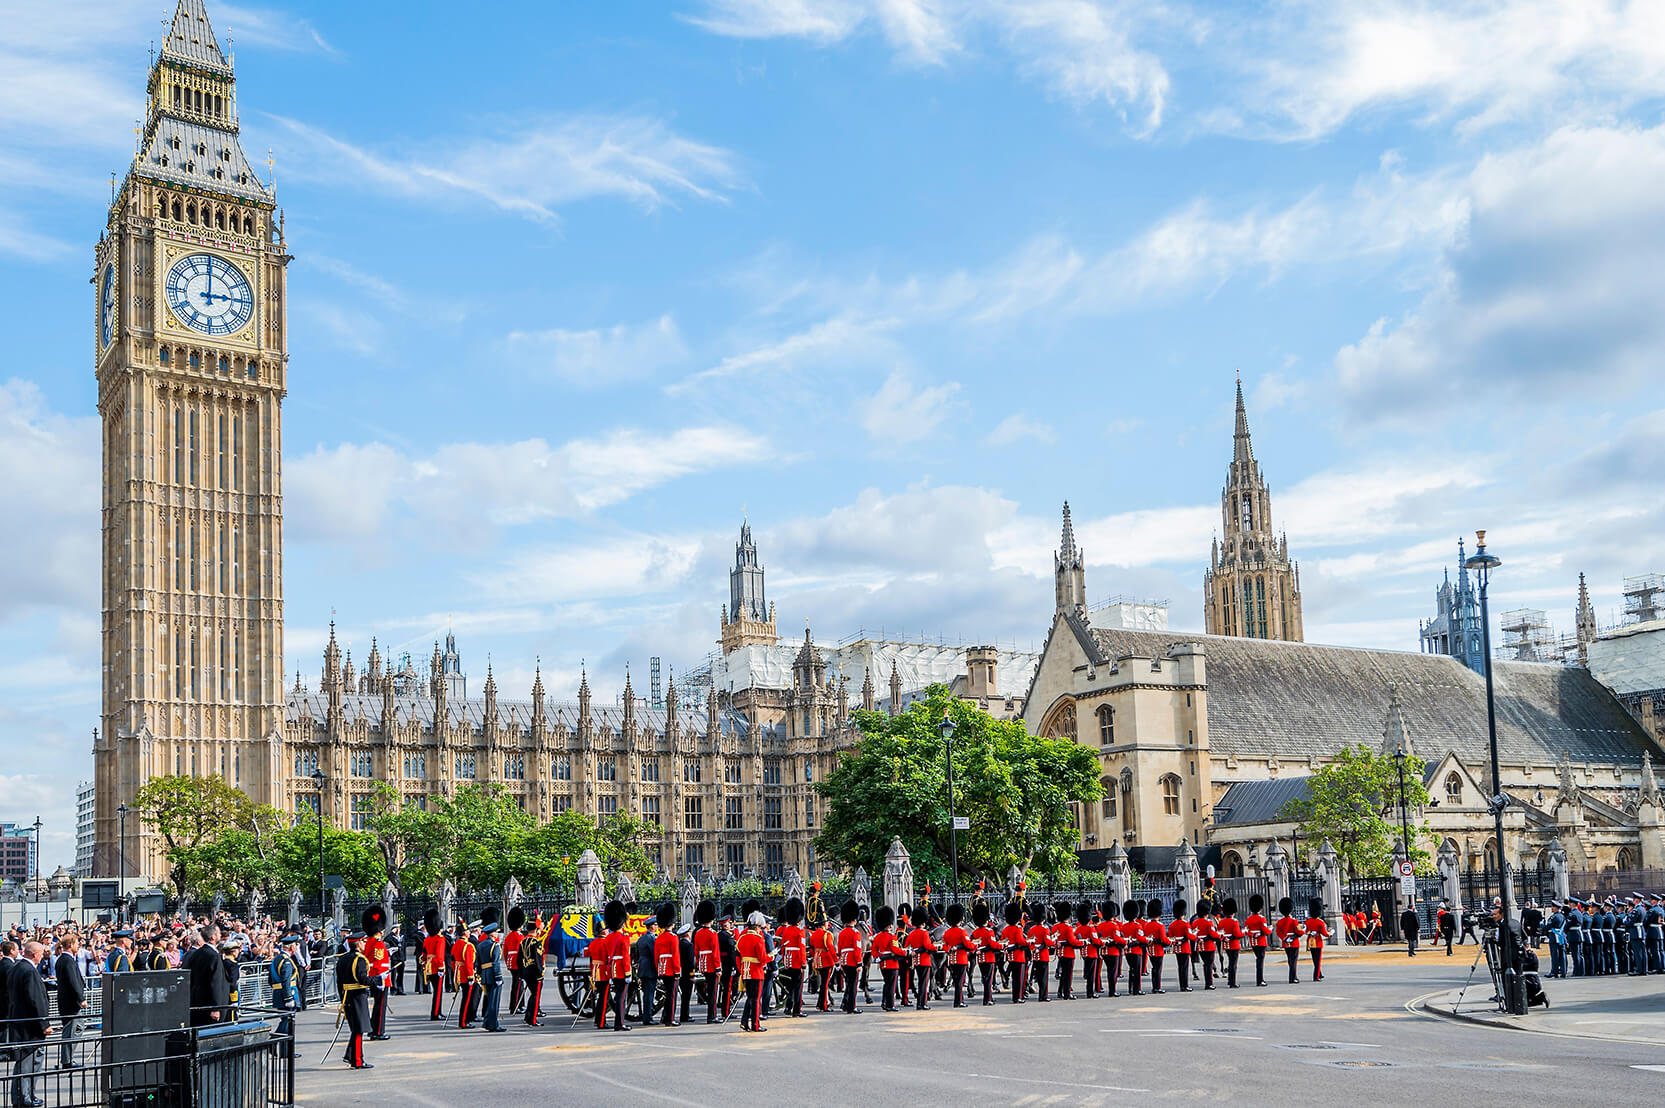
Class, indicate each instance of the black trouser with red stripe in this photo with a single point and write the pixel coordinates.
(465, 1004)
(888, 995)
(1112, 970)
(1156, 971)
(378, 1010)
(1182, 963)
(988, 983)
(1020, 982)
(1066, 978)
(357, 1005)
(922, 983)
(957, 971)
(602, 996)
(852, 978)
(534, 999)
(1231, 968)
(713, 999)
(825, 1003)
(1041, 970)
(436, 985)
(1260, 965)
(667, 986)
(794, 979)
(1136, 971)
(515, 985)
(1089, 976)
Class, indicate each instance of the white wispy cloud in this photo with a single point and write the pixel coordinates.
(357, 492)
(537, 168)
(1547, 286)
(1017, 427)
(599, 356)
(1081, 51)
(844, 340)
(1311, 67)
(901, 412)
(235, 24)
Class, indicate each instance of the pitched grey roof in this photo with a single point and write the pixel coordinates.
(1295, 700)
(407, 708)
(191, 38)
(1258, 801)
(174, 145)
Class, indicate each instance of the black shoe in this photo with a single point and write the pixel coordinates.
(380, 1038)
(1156, 991)
(362, 1066)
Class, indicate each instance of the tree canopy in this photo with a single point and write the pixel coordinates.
(1353, 802)
(1015, 788)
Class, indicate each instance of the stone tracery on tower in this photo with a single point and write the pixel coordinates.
(1251, 589)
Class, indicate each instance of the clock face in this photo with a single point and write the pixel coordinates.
(107, 306)
(209, 294)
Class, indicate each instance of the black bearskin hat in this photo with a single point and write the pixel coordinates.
(704, 913)
(431, 923)
(1013, 912)
(1133, 910)
(665, 916)
(884, 918)
(956, 915)
(752, 905)
(849, 912)
(1286, 907)
(1062, 910)
(1154, 909)
(1315, 908)
(1230, 906)
(374, 920)
(904, 911)
(1111, 911)
(613, 916)
(792, 911)
(517, 918)
(1179, 909)
(490, 914)
(1084, 912)
(980, 914)
(1256, 902)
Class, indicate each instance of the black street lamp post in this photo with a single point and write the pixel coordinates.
(947, 729)
(36, 881)
(1399, 759)
(121, 861)
(318, 783)
(1514, 1000)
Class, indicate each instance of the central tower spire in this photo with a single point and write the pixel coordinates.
(1251, 589)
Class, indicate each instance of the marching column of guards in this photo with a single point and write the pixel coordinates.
(1043, 952)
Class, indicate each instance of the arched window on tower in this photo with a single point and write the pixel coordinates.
(1170, 795)
(1127, 801)
(1453, 788)
(1106, 725)
(1247, 515)
(1107, 805)
(176, 208)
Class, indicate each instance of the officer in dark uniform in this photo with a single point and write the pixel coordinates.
(529, 968)
(1656, 934)
(1636, 930)
(1575, 937)
(1556, 928)
(352, 975)
(118, 960)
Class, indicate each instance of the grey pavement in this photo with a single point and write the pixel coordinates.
(1621, 1008)
(1355, 1037)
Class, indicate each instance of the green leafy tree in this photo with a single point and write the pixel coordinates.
(353, 855)
(1016, 788)
(1354, 803)
(187, 813)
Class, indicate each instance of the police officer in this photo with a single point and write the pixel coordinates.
(352, 974)
(1656, 934)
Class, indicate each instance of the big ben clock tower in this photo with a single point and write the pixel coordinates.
(191, 360)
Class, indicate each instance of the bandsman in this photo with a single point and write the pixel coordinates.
(1156, 943)
(373, 922)
(707, 958)
(352, 976)
(667, 964)
(957, 947)
(1067, 943)
(794, 955)
(850, 950)
(1181, 938)
(1288, 930)
(1042, 921)
(1231, 937)
(1110, 927)
(468, 981)
(434, 951)
(1316, 931)
(1259, 931)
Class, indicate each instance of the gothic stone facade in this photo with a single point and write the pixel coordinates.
(191, 361)
(1191, 729)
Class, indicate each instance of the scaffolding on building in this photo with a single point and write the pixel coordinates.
(1527, 637)
(1642, 597)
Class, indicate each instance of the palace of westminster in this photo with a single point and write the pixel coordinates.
(1201, 737)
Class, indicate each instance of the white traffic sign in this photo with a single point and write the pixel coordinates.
(1406, 869)
(962, 823)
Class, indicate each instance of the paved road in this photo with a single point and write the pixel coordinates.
(1349, 1036)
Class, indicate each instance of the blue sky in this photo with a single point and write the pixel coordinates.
(574, 284)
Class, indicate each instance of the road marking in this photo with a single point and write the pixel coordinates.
(1065, 1084)
(1650, 1069)
(1366, 1046)
(655, 1093)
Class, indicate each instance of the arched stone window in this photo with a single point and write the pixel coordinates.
(1107, 804)
(1106, 725)
(190, 213)
(1624, 859)
(1060, 724)
(1454, 788)
(1233, 863)
(1127, 800)
(1170, 794)
(176, 208)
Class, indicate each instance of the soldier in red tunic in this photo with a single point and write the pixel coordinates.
(374, 922)
(1156, 943)
(1180, 937)
(849, 954)
(1258, 932)
(1231, 938)
(794, 954)
(1016, 944)
(433, 961)
(1111, 929)
(1063, 934)
(1288, 930)
(511, 955)
(707, 956)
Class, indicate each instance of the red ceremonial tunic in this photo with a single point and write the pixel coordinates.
(956, 942)
(792, 946)
(1012, 936)
(1231, 933)
(1179, 934)
(754, 955)
(1317, 932)
(849, 946)
(1256, 928)
(1289, 932)
(1040, 943)
(667, 954)
(707, 956)
(1064, 935)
